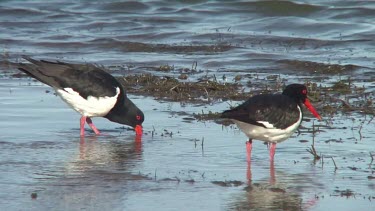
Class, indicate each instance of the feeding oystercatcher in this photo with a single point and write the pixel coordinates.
(89, 90)
(271, 118)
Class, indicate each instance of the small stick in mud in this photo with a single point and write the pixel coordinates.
(360, 129)
(334, 163)
(208, 96)
(371, 119)
(153, 131)
(203, 175)
(372, 158)
(313, 152)
(155, 175)
(172, 89)
(312, 149)
(194, 66)
(202, 146)
(360, 134)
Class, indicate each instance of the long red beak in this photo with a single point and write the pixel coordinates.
(138, 130)
(312, 109)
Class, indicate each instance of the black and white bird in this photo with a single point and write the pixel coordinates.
(271, 118)
(89, 90)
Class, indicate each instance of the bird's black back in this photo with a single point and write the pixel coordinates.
(279, 110)
(86, 79)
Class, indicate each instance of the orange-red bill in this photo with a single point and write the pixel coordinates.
(138, 130)
(312, 109)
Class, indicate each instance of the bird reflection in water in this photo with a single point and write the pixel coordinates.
(272, 173)
(88, 144)
(272, 194)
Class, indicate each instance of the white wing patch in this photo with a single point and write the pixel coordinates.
(266, 124)
(90, 107)
(270, 133)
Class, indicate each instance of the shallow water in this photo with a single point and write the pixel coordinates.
(238, 35)
(42, 153)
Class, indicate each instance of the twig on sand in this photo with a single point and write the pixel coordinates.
(174, 87)
(334, 163)
(372, 158)
(371, 119)
(208, 96)
(359, 131)
(202, 146)
(194, 66)
(312, 150)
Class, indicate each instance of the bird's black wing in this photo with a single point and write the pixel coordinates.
(86, 79)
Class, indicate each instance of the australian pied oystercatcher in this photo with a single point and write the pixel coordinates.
(271, 118)
(87, 89)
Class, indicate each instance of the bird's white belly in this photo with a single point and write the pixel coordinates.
(269, 134)
(90, 107)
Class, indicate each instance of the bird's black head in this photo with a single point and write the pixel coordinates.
(299, 93)
(127, 114)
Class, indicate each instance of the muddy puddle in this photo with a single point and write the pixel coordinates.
(179, 163)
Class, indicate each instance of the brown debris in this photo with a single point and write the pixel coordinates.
(171, 89)
(230, 183)
(319, 68)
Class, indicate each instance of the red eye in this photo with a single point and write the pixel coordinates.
(304, 91)
(138, 117)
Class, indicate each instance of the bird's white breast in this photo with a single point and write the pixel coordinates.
(270, 133)
(90, 107)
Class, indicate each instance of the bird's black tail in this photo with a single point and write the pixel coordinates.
(35, 71)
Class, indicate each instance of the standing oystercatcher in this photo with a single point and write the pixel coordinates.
(271, 118)
(87, 89)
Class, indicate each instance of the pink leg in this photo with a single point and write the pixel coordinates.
(272, 151)
(82, 125)
(248, 173)
(89, 122)
(82, 148)
(272, 173)
(249, 146)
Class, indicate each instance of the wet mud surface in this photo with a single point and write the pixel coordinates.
(183, 64)
(181, 156)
